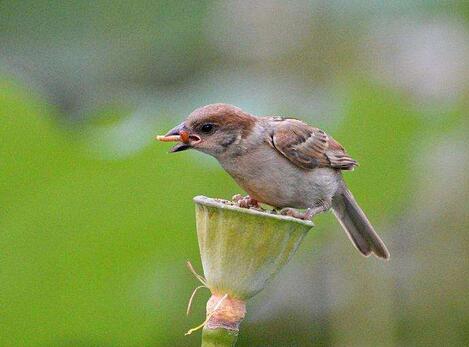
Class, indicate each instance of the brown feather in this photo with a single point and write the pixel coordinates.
(309, 147)
(230, 117)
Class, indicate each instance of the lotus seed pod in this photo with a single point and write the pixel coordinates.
(242, 249)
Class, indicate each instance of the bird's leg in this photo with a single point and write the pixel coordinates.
(245, 201)
(309, 213)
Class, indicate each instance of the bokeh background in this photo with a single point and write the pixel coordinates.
(97, 221)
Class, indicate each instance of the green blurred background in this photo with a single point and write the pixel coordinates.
(97, 221)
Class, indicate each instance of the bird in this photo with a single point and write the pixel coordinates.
(282, 162)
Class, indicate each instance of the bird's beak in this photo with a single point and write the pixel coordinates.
(182, 135)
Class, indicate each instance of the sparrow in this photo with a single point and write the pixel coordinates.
(282, 162)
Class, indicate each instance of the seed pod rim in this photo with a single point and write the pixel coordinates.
(203, 200)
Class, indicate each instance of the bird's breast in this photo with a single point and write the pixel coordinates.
(269, 177)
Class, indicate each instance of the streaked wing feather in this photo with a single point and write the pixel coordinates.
(309, 147)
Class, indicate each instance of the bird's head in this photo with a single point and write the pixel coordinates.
(212, 129)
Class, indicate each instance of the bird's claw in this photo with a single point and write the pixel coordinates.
(306, 215)
(245, 201)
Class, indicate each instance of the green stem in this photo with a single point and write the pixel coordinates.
(218, 337)
(224, 317)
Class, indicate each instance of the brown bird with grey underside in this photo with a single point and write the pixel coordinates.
(281, 162)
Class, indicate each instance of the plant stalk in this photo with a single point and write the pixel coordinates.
(218, 337)
(225, 315)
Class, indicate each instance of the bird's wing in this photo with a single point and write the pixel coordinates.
(308, 147)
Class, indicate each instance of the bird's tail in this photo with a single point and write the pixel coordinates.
(356, 225)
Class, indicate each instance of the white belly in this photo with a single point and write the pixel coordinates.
(269, 177)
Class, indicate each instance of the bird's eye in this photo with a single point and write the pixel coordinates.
(206, 128)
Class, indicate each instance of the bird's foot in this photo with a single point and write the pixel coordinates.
(308, 214)
(292, 212)
(245, 201)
